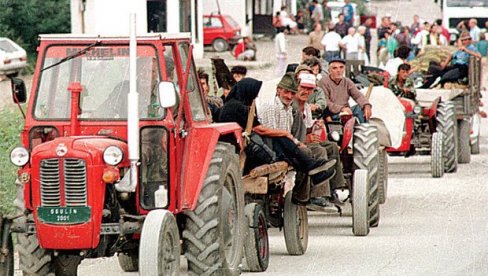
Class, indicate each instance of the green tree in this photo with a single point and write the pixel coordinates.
(22, 21)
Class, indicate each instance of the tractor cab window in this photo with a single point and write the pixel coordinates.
(103, 72)
(171, 75)
(193, 88)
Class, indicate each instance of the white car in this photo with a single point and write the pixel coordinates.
(336, 8)
(12, 57)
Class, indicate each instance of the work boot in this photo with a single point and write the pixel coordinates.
(321, 165)
(322, 177)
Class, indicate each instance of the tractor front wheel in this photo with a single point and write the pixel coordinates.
(383, 176)
(447, 125)
(437, 152)
(366, 157)
(159, 249)
(128, 261)
(66, 265)
(464, 130)
(256, 245)
(7, 267)
(214, 232)
(295, 227)
(360, 198)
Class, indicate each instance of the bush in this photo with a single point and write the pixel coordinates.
(11, 124)
(22, 21)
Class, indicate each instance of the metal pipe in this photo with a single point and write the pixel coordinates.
(133, 107)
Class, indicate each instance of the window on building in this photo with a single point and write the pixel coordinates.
(156, 16)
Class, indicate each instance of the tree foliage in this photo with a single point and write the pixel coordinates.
(22, 21)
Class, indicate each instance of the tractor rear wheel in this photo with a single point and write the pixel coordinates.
(437, 158)
(159, 249)
(7, 267)
(360, 214)
(366, 151)
(128, 261)
(295, 227)
(447, 125)
(464, 130)
(66, 265)
(382, 176)
(33, 259)
(256, 246)
(214, 233)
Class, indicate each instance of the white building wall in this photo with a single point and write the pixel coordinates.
(236, 9)
(107, 16)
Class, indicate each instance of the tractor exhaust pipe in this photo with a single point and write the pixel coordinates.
(132, 114)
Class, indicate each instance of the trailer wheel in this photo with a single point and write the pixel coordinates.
(159, 248)
(383, 176)
(366, 151)
(447, 124)
(214, 233)
(220, 45)
(129, 262)
(33, 259)
(360, 210)
(295, 227)
(464, 145)
(256, 246)
(475, 147)
(66, 265)
(7, 267)
(437, 158)
(475, 126)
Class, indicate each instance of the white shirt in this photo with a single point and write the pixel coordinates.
(351, 43)
(331, 41)
(275, 115)
(392, 66)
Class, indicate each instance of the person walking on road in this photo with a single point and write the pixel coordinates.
(280, 50)
(331, 44)
(315, 37)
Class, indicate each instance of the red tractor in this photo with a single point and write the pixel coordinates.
(114, 165)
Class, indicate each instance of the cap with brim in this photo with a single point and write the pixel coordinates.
(288, 82)
(308, 80)
(303, 67)
(337, 60)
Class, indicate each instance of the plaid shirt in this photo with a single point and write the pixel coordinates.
(275, 115)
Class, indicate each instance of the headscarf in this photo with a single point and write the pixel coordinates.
(245, 91)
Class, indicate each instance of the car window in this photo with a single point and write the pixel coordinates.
(194, 93)
(231, 22)
(6, 46)
(212, 22)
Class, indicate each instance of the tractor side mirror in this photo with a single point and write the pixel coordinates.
(19, 94)
(168, 96)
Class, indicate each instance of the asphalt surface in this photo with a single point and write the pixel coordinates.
(427, 227)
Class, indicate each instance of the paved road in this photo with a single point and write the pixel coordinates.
(428, 226)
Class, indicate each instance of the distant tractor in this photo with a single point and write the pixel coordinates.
(111, 164)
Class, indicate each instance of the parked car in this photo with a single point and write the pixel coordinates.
(220, 31)
(12, 57)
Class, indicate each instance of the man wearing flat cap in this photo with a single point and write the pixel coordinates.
(338, 89)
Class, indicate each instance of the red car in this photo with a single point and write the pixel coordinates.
(220, 31)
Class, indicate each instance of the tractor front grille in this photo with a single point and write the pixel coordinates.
(50, 183)
(74, 176)
(75, 182)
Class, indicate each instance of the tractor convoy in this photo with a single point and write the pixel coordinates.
(119, 156)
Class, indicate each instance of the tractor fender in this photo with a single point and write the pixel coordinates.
(200, 146)
(348, 132)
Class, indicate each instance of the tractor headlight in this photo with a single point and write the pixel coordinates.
(113, 155)
(417, 109)
(335, 136)
(19, 156)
